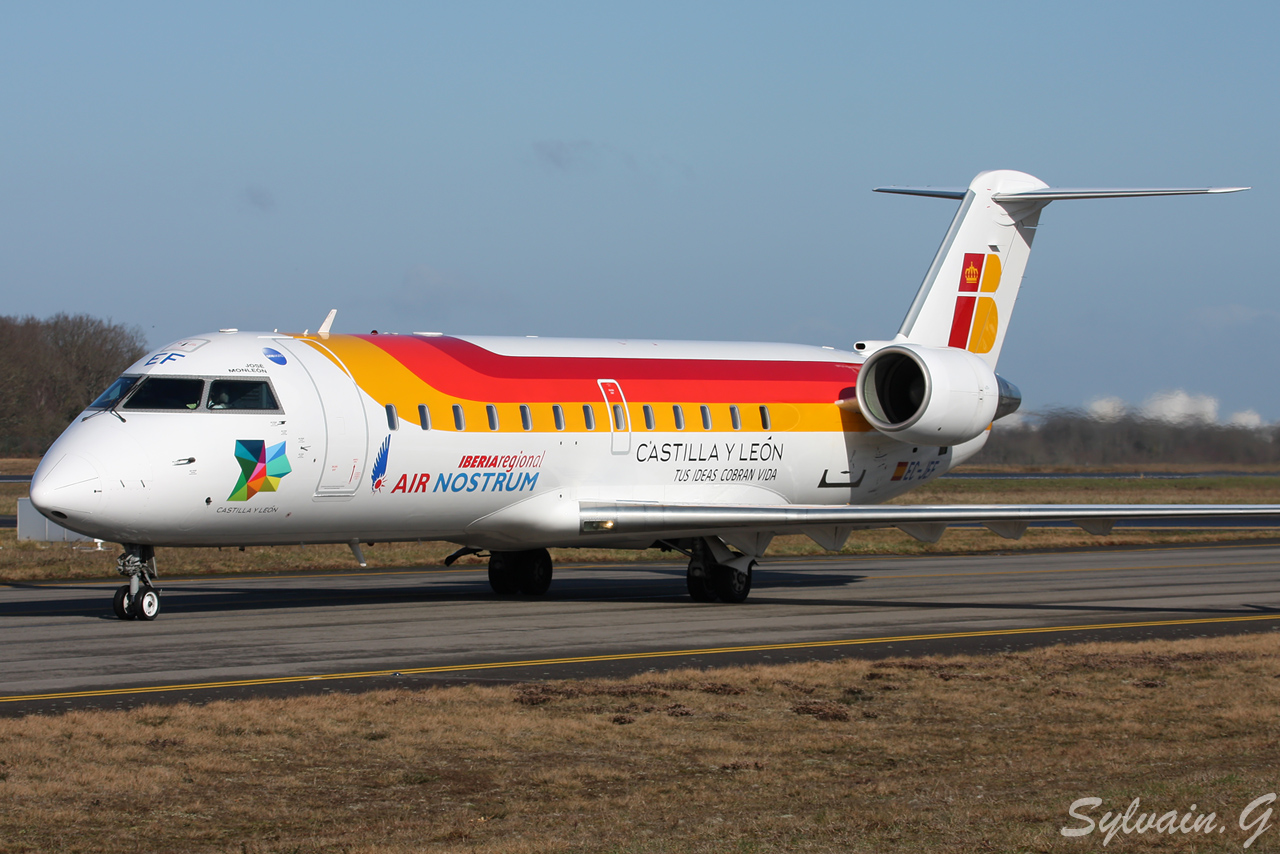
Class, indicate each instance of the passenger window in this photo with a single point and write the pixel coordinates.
(735, 417)
(393, 419)
(459, 420)
(558, 412)
(492, 412)
(112, 395)
(765, 421)
(241, 394)
(678, 411)
(526, 417)
(648, 417)
(589, 416)
(424, 416)
(706, 417)
(619, 417)
(166, 393)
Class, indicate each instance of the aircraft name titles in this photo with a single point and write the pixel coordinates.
(699, 452)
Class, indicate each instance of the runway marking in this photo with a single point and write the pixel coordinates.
(625, 656)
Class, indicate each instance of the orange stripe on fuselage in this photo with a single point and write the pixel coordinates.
(439, 371)
(463, 369)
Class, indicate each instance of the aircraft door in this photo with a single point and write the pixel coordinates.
(347, 431)
(619, 418)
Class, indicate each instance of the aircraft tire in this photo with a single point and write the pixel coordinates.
(535, 572)
(120, 603)
(504, 577)
(147, 605)
(730, 585)
(700, 587)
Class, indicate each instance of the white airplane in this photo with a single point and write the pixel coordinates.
(514, 445)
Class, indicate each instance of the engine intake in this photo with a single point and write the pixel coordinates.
(931, 395)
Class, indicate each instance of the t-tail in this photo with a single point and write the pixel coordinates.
(969, 292)
(935, 382)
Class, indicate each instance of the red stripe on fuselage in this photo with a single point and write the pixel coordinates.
(465, 370)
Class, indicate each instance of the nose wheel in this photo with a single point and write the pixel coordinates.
(139, 599)
(144, 606)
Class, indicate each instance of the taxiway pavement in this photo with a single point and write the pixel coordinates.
(61, 646)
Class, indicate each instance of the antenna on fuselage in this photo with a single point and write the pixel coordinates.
(323, 331)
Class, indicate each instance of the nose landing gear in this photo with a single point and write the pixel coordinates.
(139, 599)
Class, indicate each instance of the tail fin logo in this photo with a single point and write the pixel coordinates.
(976, 320)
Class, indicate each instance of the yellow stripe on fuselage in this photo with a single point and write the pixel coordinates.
(381, 376)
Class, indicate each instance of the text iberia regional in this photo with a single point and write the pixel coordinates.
(504, 475)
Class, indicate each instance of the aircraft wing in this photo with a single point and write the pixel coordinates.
(832, 523)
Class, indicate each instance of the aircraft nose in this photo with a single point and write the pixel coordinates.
(70, 487)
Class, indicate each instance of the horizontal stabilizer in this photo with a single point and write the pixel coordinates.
(968, 294)
(1049, 194)
(933, 192)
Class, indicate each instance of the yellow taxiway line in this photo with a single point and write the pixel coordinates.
(625, 656)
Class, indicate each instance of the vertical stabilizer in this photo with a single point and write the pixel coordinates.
(969, 291)
(968, 294)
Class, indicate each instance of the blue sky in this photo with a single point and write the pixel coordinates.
(671, 170)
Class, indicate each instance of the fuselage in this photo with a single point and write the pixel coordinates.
(244, 438)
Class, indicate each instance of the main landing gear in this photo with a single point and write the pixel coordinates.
(715, 572)
(137, 600)
(527, 572)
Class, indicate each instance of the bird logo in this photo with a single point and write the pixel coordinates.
(379, 475)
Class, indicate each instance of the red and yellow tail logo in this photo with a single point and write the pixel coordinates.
(976, 321)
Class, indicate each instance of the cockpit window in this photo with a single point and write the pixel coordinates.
(112, 395)
(241, 394)
(166, 393)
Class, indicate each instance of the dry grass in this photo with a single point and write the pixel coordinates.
(937, 754)
(32, 561)
(9, 495)
(1224, 489)
(18, 465)
(1119, 468)
(891, 541)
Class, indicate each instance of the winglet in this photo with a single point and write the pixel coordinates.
(323, 331)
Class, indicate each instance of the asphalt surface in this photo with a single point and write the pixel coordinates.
(61, 647)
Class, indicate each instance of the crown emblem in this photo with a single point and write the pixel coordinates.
(971, 274)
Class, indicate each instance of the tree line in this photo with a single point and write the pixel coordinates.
(51, 368)
(1069, 437)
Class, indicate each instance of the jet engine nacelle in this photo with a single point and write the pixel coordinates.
(932, 395)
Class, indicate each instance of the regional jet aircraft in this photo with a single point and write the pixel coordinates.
(513, 445)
